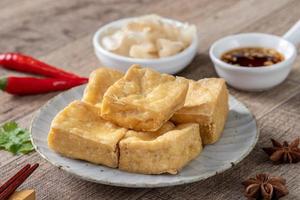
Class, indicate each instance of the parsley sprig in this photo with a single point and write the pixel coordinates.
(15, 139)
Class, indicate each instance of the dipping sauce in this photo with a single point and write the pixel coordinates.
(252, 57)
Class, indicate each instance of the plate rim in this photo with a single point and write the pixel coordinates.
(143, 185)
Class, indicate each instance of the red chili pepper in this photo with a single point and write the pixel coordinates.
(23, 63)
(32, 85)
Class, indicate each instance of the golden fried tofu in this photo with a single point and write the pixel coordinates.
(143, 99)
(167, 150)
(25, 194)
(79, 132)
(207, 104)
(100, 80)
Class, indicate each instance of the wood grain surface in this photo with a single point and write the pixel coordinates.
(60, 33)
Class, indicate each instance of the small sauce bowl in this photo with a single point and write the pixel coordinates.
(256, 78)
(170, 64)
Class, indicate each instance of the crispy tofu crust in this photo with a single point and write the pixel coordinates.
(79, 132)
(143, 99)
(206, 104)
(24, 194)
(99, 81)
(167, 150)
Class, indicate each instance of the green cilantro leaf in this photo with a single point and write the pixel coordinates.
(15, 139)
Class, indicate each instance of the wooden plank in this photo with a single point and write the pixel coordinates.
(79, 54)
(53, 183)
(72, 50)
(233, 19)
(78, 57)
(39, 31)
(282, 124)
(92, 190)
(58, 58)
(261, 103)
(15, 107)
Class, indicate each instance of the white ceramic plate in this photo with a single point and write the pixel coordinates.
(239, 138)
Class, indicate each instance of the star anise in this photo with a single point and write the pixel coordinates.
(284, 153)
(265, 187)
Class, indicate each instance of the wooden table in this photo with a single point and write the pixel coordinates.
(60, 32)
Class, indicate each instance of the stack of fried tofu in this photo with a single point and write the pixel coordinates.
(141, 121)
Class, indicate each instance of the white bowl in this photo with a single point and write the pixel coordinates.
(171, 64)
(258, 78)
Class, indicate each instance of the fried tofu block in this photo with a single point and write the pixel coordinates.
(79, 132)
(167, 150)
(23, 195)
(143, 99)
(206, 104)
(100, 80)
